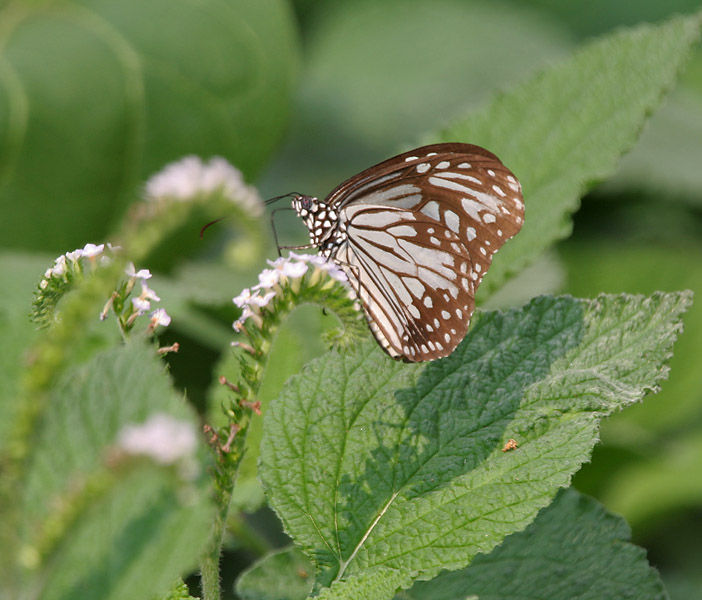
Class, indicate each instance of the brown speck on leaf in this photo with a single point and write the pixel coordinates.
(510, 444)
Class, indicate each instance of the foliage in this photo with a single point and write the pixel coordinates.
(91, 89)
(440, 480)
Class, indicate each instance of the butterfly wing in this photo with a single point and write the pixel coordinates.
(422, 228)
(412, 276)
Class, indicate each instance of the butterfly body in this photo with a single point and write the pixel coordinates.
(415, 235)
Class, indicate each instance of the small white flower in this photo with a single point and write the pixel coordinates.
(244, 298)
(289, 268)
(140, 274)
(268, 278)
(75, 255)
(43, 284)
(142, 306)
(245, 314)
(59, 267)
(334, 271)
(162, 438)
(147, 293)
(160, 317)
(262, 301)
(322, 263)
(91, 250)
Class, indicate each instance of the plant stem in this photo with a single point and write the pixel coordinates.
(209, 565)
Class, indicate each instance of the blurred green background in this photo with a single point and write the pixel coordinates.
(96, 95)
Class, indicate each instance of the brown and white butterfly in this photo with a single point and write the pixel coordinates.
(415, 235)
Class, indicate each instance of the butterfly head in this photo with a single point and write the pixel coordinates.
(319, 218)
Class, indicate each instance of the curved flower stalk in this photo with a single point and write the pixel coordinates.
(90, 272)
(72, 268)
(290, 281)
(68, 270)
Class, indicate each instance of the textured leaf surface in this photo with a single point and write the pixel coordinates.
(376, 465)
(573, 549)
(565, 129)
(96, 95)
(148, 525)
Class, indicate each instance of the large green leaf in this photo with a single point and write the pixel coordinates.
(379, 74)
(565, 129)
(384, 472)
(93, 523)
(573, 549)
(97, 94)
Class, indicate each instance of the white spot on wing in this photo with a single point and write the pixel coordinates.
(402, 230)
(452, 221)
(431, 209)
(414, 285)
(423, 167)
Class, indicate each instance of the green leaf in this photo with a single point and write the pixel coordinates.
(657, 485)
(96, 95)
(95, 524)
(598, 16)
(20, 275)
(460, 52)
(573, 549)
(664, 162)
(285, 574)
(178, 592)
(378, 466)
(565, 129)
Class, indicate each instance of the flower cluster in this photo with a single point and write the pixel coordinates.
(141, 304)
(71, 263)
(291, 270)
(190, 177)
(71, 267)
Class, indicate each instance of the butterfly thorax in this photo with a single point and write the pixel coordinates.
(326, 231)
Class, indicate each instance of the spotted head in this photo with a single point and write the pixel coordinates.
(319, 218)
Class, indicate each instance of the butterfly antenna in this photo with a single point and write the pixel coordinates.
(288, 195)
(202, 231)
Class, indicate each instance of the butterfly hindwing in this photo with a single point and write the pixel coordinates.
(412, 275)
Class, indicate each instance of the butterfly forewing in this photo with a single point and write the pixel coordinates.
(416, 234)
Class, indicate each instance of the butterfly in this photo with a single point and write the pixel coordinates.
(415, 234)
